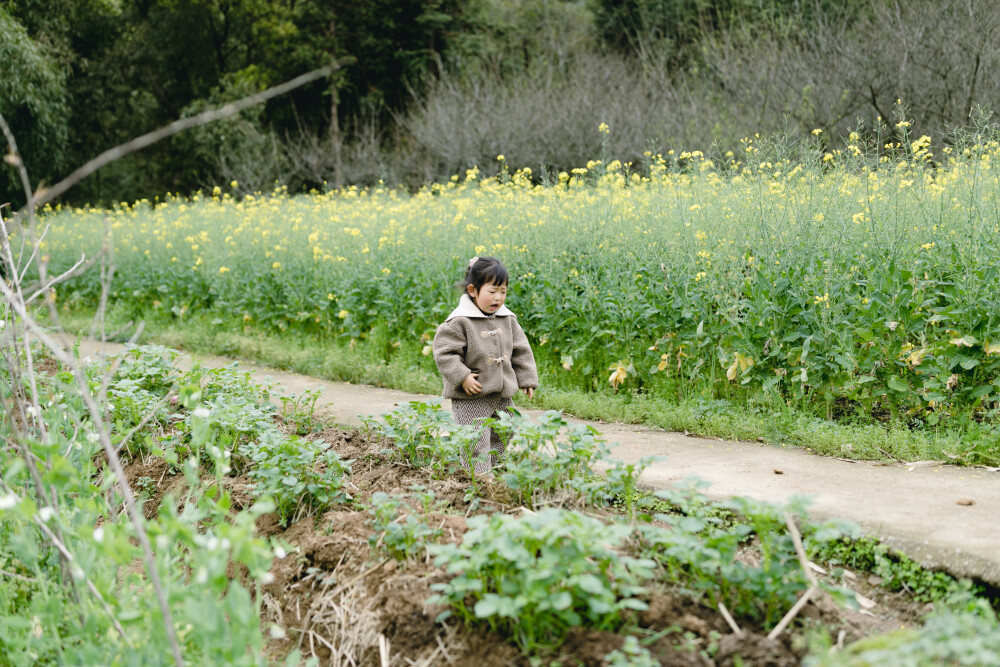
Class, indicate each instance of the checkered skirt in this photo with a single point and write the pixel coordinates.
(475, 411)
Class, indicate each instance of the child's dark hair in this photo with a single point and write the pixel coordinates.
(484, 270)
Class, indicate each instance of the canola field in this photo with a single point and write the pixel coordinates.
(859, 281)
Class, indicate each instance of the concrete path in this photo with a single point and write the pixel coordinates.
(923, 510)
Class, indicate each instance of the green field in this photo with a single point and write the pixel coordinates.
(851, 288)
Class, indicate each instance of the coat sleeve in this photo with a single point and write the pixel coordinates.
(522, 358)
(449, 353)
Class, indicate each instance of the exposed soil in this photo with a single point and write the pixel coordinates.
(335, 599)
(913, 507)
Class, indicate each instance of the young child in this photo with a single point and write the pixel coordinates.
(483, 355)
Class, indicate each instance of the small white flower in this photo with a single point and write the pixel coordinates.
(92, 436)
(77, 572)
(8, 501)
(225, 544)
(202, 576)
(266, 578)
(201, 412)
(276, 632)
(212, 544)
(46, 513)
(99, 534)
(111, 407)
(162, 542)
(279, 553)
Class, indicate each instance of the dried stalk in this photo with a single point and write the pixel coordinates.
(729, 619)
(810, 576)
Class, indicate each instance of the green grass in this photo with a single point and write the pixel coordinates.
(366, 362)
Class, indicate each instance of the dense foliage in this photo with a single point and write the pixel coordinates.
(72, 589)
(850, 285)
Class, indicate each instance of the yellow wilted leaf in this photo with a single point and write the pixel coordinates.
(740, 364)
(663, 361)
(917, 356)
(991, 348)
(618, 374)
(426, 350)
(964, 341)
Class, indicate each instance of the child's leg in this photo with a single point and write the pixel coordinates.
(476, 411)
(498, 444)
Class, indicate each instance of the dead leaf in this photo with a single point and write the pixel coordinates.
(816, 568)
(965, 502)
(779, 472)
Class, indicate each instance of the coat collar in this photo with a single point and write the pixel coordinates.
(467, 308)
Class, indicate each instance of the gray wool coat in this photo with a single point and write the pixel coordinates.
(494, 346)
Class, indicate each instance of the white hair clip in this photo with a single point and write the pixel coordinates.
(472, 262)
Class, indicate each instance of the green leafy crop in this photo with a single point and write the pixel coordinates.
(532, 578)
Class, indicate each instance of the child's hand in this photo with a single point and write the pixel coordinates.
(471, 385)
(530, 391)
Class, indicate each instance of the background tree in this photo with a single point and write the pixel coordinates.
(428, 88)
(33, 98)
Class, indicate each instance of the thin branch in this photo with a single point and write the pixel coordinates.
(800, 550)
(19, 577)
(810, 576)
(45, 196)
(730, 621)
(793, 612)
(81, 265)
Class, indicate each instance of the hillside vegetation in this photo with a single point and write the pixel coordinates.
(424, 90)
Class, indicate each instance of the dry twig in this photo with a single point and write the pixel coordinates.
(810, 576)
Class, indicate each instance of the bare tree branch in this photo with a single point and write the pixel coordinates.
(112, 154)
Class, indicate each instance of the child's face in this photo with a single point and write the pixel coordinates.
(489, 297)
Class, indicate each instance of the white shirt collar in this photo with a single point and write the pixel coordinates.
(467, 308)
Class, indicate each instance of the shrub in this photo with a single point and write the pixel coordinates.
(534, 577)
(303, 477)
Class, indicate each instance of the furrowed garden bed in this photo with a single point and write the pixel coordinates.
(375, 546)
